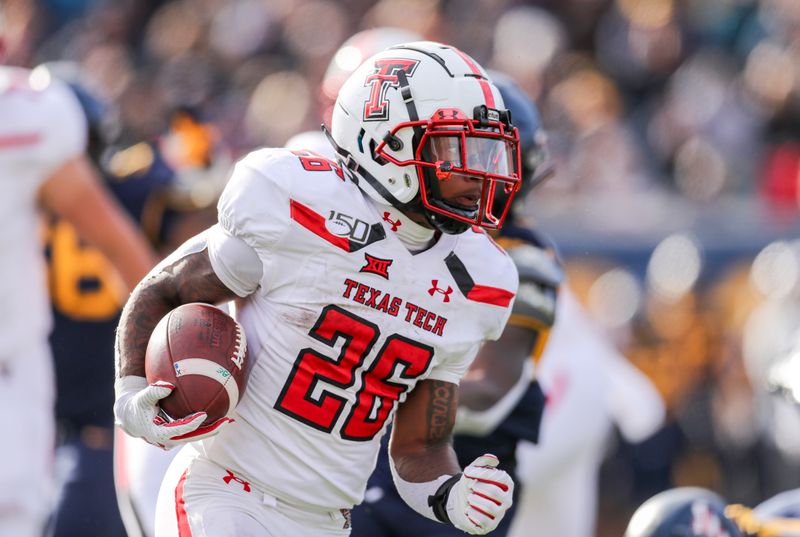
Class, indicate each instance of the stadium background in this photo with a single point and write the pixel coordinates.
(675, 130)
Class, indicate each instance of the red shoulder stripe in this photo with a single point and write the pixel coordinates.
(315, 223)
(496, 296)
(490, 295)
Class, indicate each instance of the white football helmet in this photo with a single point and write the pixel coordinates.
(351, 54)
(417, 114)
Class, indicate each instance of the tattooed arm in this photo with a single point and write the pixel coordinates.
(421, 444)
(188, 279)
(179, 279)
(425, 469)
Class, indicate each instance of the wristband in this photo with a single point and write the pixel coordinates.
(438, 501)
(417, 495)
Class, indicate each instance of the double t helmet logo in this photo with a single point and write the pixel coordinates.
(383, 78)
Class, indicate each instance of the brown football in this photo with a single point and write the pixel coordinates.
(203, 352)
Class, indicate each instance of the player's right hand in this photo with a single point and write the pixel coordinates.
(136, 411)
(479, 500)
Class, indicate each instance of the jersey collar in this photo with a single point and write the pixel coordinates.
(413, 236)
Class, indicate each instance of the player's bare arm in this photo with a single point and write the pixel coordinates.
(426, 471)
(75, 193)
(421, 444)
(189, 279)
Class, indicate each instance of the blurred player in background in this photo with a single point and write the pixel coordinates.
(590, 388)
(779, 515)
(696, 512)
(43, 170)
(86, 304)
(425, 145)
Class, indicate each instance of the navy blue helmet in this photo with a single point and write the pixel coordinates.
(536, 166)
(683, 512)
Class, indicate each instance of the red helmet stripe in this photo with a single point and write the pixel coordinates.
(485, 87)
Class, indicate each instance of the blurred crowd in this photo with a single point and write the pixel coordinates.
(674, 126)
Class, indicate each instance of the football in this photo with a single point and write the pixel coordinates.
(202, 351)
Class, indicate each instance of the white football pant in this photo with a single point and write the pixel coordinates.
(27, 396)
(201, 499)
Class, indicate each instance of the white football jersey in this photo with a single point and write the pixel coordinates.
(344, 323)
(41, 127)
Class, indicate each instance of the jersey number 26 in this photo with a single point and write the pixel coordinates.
(304, 401)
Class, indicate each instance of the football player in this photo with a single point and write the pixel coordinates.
(43, 168)
(86, 305)
(140, 467)
(590, 387)
(366, 288)
(778, 516)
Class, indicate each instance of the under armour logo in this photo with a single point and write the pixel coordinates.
(394, 223)
(436, 289)
(231, 477)
(376, 265)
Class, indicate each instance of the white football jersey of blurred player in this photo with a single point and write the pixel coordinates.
(344, 323)
(590, 386)
(42, 127)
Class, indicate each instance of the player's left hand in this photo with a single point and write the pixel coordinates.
(136, 411)
(479, 500)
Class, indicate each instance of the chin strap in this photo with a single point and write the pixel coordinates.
(359, 172)
(446, 224)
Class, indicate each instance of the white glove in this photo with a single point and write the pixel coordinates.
(136, 411)
(479, 500)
